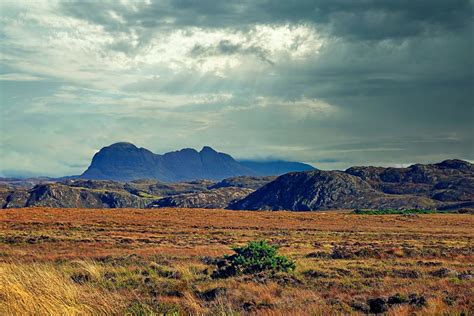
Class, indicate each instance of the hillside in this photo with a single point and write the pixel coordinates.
(215, 198)
(81, 193)
(446, 185)
(449, 184)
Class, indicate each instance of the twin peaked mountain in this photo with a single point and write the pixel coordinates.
(124, 162)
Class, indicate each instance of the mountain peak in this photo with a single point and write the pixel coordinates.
(124, 161)
(125, 145)
(207, 149)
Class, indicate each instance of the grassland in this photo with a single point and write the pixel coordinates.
(145, 262)
(397, 212)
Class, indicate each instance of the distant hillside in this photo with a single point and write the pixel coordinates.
(449, 184)
(215, 198)
(244, 182)
(86, 193)
(445, 185)
(275, 167)
(125, 162)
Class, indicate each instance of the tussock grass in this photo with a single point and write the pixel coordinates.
(145, 262)
(43, 289)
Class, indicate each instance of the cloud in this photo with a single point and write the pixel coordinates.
(331, 82)
(18, 77)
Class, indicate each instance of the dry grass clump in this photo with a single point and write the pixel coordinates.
(43, 289)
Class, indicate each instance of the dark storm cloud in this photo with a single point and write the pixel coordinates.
(360, 19)
(333, 82)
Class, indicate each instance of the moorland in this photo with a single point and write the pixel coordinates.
(161, 261)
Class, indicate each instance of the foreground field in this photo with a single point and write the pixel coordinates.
(141, 262)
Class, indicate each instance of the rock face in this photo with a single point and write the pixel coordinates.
(96, 194)
(311, 190)
(244, 182)
(215, 198)
(446, 185)
(80, 193)
(450, 180)
(443, 185)
(60, 195)
(125, 162)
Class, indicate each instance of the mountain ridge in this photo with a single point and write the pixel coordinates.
(450, 182)
(448, 185)
(124, 161)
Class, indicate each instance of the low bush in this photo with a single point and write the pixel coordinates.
(256, 257)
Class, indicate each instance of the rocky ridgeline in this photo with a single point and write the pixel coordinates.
(449, 184)
(135, 194)
(215, 198)
(445, 185)
(126, 162)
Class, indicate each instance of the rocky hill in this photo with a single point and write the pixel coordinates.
(81, 193)
(443, 185)
(215, 198)
(62, 195)
(244, 182)
(125, 162)
(450, 180)
(446, 185)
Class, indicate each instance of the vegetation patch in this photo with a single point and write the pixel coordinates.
(256, 257)
(345, 263)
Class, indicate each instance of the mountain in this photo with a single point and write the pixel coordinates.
(449, 184)
(275, 167)
(124, 162)
(445, 185)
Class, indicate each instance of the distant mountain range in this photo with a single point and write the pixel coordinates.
(125, 162)
(445, 185)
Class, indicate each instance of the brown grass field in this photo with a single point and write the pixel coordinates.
(155, 262)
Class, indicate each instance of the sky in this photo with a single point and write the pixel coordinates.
(333, 83)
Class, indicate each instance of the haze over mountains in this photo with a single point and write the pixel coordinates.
(124, 162)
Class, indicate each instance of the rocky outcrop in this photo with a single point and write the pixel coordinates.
(450, 180)
(13, 198)
(443, 185)
(446, 185)
(60, 195)
(313, 190)
(216, 198)
(244, 182)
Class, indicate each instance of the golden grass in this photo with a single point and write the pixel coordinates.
(76, 261)
(43, 289)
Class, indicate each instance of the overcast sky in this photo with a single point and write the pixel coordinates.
(333, 83)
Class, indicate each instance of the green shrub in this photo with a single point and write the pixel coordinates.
(256, 257)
